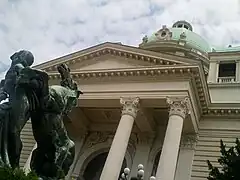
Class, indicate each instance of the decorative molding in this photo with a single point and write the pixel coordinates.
(189, 71)
(164, 33)
(130, 106)
(104, 51)
(189, 140)
(216, 112)
(97, 138)
(178, 106)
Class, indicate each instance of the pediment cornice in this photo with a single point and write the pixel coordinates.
(118, 50)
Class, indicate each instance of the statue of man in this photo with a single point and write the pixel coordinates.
(20, 60)
(17, 103)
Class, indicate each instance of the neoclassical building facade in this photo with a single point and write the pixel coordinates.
(165, 104)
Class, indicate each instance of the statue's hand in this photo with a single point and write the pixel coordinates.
(3, 96)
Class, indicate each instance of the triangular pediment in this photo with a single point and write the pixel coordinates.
(108, 62)
(112, 56)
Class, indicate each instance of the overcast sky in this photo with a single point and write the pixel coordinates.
(52, 28)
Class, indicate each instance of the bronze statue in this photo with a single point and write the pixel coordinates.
(49, 105)
(30, 96)
(16, 114)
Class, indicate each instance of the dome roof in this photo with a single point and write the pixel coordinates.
(181, 30)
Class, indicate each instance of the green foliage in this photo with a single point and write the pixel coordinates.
(229, 162)
(7, 173)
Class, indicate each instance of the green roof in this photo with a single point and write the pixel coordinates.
(192, 39)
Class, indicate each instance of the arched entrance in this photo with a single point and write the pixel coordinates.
(95, 166)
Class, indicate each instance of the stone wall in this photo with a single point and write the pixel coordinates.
(28, 143)
(207, 148)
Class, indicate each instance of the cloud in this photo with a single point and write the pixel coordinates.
(51, 28)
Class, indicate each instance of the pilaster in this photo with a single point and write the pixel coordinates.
(188, 141)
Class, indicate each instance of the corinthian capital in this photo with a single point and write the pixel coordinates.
(130, 106)
(178, 106)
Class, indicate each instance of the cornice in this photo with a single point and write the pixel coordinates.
(223, 112)
(187, 71)
(121, 51)
(224, 85)
(229, 53)
(176, 44)
(208, 109)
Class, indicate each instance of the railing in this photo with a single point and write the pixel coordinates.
(140, 174)
(230, 79)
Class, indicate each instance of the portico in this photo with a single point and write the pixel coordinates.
(132, 113)
(165, 104)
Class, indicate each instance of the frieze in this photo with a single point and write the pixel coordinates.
(160, 71)
(191, 71)
(97, 138)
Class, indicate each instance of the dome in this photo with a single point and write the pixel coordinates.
(180, 31)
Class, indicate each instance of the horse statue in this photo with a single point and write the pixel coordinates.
(48, 106)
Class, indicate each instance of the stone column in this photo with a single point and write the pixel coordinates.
(119, 145)
(212, 75)
(237, 71)
(169, 155)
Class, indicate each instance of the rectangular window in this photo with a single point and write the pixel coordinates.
(227, 72)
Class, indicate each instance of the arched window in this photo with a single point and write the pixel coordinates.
(155, 163)
(95, 166)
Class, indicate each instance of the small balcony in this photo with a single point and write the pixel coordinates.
(230, 79)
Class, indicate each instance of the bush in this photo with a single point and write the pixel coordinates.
(229, 162)
(7, 173)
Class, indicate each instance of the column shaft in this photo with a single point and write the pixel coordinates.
(169, 155)
(119, 145)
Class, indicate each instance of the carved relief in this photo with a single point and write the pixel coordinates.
(130, 106)
(178, 106)
(164, 34)
(189, 140)
(97, 137)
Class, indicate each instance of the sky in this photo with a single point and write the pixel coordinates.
(53, 28)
